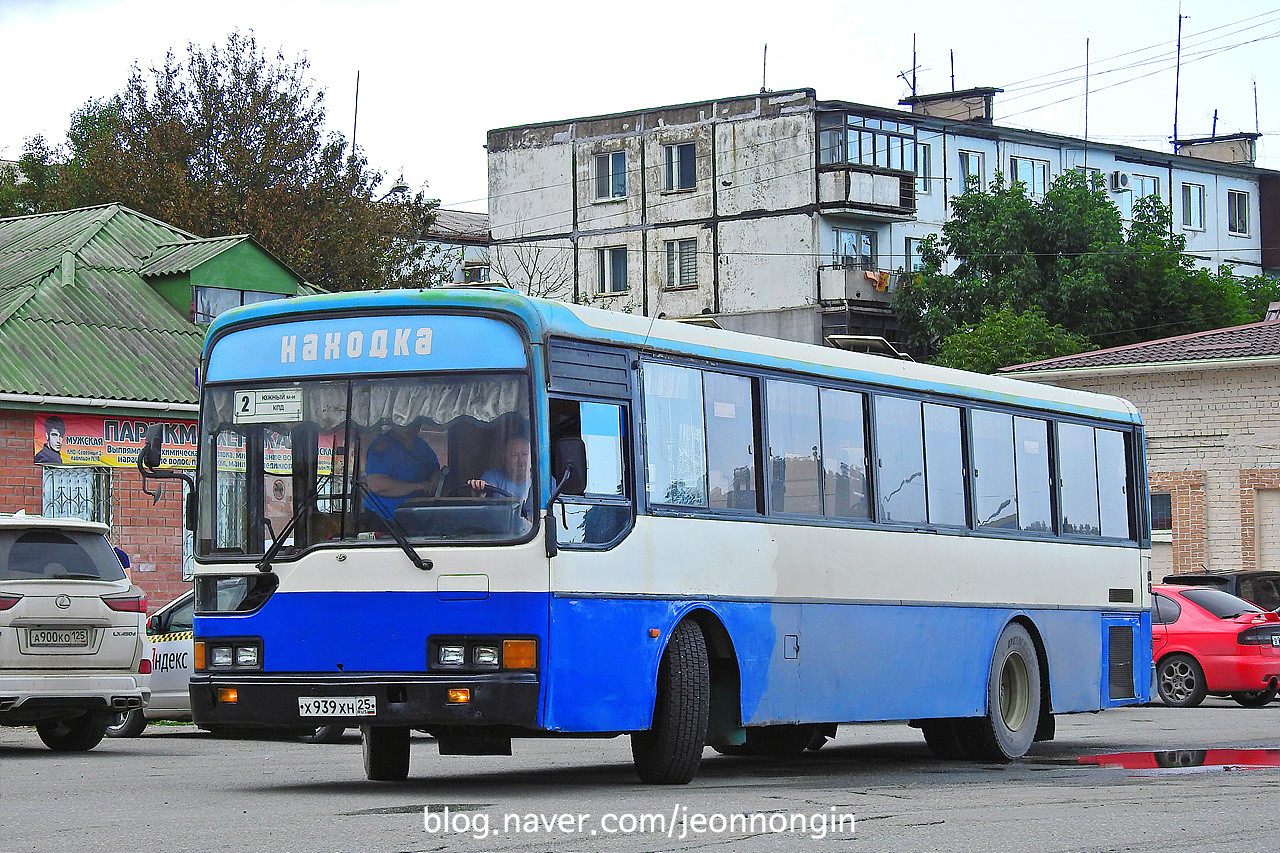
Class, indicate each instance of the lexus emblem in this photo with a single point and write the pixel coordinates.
(63, 601)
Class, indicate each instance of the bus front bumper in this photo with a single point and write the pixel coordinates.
(415, 700)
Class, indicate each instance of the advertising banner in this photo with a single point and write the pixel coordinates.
(70, 439)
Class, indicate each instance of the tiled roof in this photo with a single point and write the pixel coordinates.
(77, 319)
(459, 225)
(1255, 340)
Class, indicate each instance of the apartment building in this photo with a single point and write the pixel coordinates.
(785, 215)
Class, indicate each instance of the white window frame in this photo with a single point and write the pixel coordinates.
(682, 262)
(608, 283)
(679, 160)
(1145, 185)
(606, 174)
(924, 167)
(1238, 220)
(1038, 173)
(967, 160)
(913, 261)
(1193, 206)
(862, 242)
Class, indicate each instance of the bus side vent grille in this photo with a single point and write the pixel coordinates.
(1120, 661)
(1120, 596)
(589, 369)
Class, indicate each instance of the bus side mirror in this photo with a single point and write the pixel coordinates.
(150, 455)
(569, 465)
(148, 463)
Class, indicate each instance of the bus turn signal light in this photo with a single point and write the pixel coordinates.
(459, 695)
(228, 695)
(519, 654)
(197, 655)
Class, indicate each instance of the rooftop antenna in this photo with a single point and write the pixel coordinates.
(1086, 107)
(953, 69)
(915, 63)
(1177, 78)
(355, 115)
(1257, 128)
(764, 70)
(1213, 134)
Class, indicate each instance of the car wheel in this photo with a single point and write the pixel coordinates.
(1255, 699)
(1180, 681)
(128, 724)
(325, 734)
(670, 751)
(77, 734)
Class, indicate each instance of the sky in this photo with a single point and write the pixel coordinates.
(436, 76)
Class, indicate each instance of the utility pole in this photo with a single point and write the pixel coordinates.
(1177, 79)
(355, 115)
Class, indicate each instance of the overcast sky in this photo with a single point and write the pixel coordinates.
(435, 76)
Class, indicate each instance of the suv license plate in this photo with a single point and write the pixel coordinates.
(337, 706)
(64, 637)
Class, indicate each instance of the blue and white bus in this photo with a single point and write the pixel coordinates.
(731, 541)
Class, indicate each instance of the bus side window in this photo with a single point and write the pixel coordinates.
(603, 512)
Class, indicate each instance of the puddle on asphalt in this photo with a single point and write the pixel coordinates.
(1187, 759)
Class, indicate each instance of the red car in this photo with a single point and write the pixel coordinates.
(1206, 641)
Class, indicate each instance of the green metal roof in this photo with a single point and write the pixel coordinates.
(184, 257)
(78, 320)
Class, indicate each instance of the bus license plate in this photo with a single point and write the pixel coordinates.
(337, 706)
(64, 637)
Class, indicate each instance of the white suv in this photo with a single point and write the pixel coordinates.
(72, 642)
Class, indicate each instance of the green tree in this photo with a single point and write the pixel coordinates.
(232, 141)
(28, 187)
(1004, 337)
(1069, 257)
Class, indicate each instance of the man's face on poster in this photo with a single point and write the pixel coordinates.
(53, 438)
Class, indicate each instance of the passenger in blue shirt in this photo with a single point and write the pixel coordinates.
(513, 477)
(400, 464)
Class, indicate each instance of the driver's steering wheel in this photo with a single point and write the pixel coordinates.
(489, 491)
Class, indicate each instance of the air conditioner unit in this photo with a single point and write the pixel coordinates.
(1120, 181)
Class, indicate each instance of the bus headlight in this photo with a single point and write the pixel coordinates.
(230, 655)
(453, 655)
(485, 656)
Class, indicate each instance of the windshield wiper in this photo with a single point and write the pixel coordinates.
(277, 542)
(397, 533)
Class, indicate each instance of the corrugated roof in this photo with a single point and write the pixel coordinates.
(185, 256)
(459, 225)
(1255, 340)
(100, 332)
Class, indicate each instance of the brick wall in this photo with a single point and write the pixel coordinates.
(1213, 439)
(150, 535)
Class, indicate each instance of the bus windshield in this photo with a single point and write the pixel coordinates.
(303, 462)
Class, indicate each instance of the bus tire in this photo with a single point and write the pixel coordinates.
(1008, 728)
(386, 753)
(78, 734)
(670, 751)
(127, 724)
(943, 739)
(1180, 681)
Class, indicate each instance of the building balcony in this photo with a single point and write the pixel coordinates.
(853, 283)
(877, 194)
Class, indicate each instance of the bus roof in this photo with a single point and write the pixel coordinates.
(545, 318)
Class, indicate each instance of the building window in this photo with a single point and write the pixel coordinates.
(971, 169)
(678, 167)
(1145, 185)
(210, 302)
(924, 167)
(1034, 174)
(682, 263)
(864, 141)
(611, 175)
(1193, 206)
(1237, 212)
(77, 492)
(613, 269)
(855, 248)
(475, 273)
(914, 262)
(1161, 516)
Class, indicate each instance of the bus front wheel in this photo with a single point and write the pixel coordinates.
(670, 751)
(1013, 701)
(386, 753)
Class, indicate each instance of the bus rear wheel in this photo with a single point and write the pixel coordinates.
(386, 753)
(670, 751)
(1013, 702)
